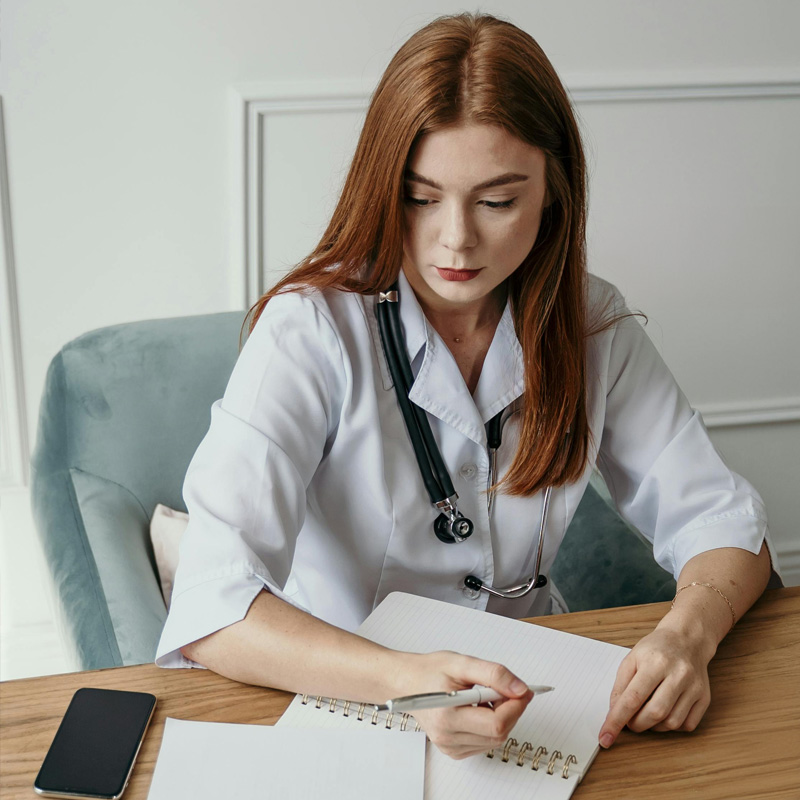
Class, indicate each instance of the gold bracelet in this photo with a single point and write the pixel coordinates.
(709, 586)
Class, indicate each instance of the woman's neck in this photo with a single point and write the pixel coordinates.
(464, 324)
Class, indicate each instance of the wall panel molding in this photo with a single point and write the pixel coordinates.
(252, 105)
(755, 412)
(13, 425)
(632, 87)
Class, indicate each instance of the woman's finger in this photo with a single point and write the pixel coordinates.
(676, 719)
(625, 673)
(633, 697)
(459, 753)
(474, 741)
(664, 702)
(492, 724)
(696, 713)
(459, 734)
(469, 730)
(491, 674)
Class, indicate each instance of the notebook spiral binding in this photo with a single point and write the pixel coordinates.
(376, 717)
(362, 711)
(526, 747)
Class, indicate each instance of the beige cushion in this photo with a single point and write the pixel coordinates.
(166, 529)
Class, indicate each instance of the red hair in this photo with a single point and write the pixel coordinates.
(478, 69)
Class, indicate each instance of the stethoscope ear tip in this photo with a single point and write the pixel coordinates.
(471, 582)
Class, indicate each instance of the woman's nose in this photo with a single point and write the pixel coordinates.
(458, 229)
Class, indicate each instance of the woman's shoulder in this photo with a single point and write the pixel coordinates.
(301, 338)
(615, 331)
(310, 307)
(602, 296)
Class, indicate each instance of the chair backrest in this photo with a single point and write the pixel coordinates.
(603, 562)
(123, 410)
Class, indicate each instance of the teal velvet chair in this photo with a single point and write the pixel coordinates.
(603, 562)
(124, 409)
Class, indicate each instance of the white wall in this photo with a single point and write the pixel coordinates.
(126, 173)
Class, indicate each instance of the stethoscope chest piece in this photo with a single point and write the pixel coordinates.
(451, 531)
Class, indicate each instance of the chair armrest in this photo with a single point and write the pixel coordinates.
(96, 540)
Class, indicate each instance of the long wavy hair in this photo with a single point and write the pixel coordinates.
(475, 68)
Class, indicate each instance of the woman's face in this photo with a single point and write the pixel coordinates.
(474, 196)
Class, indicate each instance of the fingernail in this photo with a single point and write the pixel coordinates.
(518, 687)
(606, 740)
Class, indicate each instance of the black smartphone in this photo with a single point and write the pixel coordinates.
(96, 744)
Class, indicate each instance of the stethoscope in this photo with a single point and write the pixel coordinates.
(450, 526)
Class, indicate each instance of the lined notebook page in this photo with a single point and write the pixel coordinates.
(568, 719)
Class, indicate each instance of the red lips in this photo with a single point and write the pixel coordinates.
(458, 274)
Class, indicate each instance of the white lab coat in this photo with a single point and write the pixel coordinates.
(307, 484)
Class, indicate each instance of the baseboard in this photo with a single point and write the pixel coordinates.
(789, 562)
(27, 651)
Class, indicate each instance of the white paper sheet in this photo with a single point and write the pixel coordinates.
(213, 760)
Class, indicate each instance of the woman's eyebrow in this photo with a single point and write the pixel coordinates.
(500, 180)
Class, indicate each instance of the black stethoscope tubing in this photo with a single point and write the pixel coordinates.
(450, 526)
(434, 472)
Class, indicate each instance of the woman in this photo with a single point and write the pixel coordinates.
(467, 190)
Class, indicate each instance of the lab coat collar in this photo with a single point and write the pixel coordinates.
(439, 387)
(502, 378)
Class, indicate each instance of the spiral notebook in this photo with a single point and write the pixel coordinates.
(555, 740)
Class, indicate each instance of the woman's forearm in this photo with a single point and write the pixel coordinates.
(702, 612)
(280, 646)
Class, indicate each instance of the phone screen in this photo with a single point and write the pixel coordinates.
(96, 744)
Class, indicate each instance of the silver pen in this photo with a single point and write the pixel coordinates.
(461, 697)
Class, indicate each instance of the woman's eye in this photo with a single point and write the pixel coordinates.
(422, 202)
(499, 204)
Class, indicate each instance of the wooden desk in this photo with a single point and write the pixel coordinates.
(748, 745)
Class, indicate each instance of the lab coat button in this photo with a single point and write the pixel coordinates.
(468, 471)
(471, 594)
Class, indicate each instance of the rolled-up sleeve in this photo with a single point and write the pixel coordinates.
(663, 472)
(245, 488)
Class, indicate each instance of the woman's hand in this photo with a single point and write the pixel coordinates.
(465, 730)
(662, 684)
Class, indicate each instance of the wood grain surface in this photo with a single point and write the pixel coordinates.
(748, 745)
